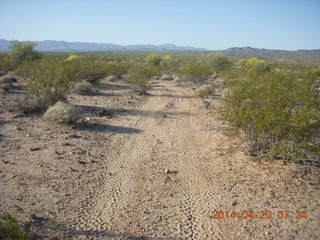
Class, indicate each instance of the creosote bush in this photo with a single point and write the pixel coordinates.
(278, 111)
(29, 104)
(48, 77)
(256, 65)
(10, 228)
(62, 113)
(21, 52)
(154, 59)
(140, 77)
(205, 90)
(218, 62)
(195, 71)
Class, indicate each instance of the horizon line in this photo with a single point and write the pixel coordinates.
(157, 45)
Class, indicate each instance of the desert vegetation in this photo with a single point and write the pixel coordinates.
(10, 228)
(106, 111)
(275, 104)
(278, 111)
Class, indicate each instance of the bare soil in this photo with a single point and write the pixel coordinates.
(147, 167)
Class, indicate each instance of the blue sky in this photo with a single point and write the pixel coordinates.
(275, 24)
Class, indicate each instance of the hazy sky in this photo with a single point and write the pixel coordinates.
(275, 24)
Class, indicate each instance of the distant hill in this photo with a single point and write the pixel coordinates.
(297, 56)
(310, 57)
(62, 46)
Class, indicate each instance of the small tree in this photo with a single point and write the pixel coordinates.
(21, 52)
(48, 77)
(170, 63)
(258, 65)
(154, 59)
(196, 71)
(140, 76)
(218, 62)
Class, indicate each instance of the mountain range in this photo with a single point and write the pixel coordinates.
(297, 57)
(63, 46)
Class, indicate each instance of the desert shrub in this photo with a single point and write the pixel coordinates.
(170, 64)
(278, 111)
(48, 77)
(140, 77)
(10, 228)
(154, 59)
(205, 90)
(316, 71)
(22, 51)
(82, 87)
(73, 58)
(62, 113)
(115, 69)
(218, 62)
(27, 104)
(87, 69)
(195, 71)
(257, 65)
(5, 63)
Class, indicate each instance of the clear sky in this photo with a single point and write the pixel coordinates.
(215, 24)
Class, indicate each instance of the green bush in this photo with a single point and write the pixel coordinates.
(48, 77)
(316, 71)
(5, 63)
(22, 51)
(170, 64)
(115, 69)
(10, 229)
(154, 59)
(87, 69)
(218, 62)
(257, 65)
(62, 113)
(205, 90)
(195, 71)
(278, 111)
(140, 77)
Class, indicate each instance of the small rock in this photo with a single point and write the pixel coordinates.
(112, 78)
(2, 73)
(73, 136)
(33, 149)
(18, 116)
(234, 203)
(66, 144)
(166, 171)
(166, 77)
(38, 218)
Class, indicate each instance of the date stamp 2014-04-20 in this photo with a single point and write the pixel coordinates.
(261, 214)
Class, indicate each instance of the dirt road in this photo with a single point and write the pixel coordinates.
(164, 181)
(155, 170)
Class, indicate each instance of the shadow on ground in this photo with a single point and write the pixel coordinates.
(149, 114)
(94, 110)
(171, 96)
(42, 227)
(108, 86)
(102, 94)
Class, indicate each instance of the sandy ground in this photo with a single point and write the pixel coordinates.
(157, 169)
